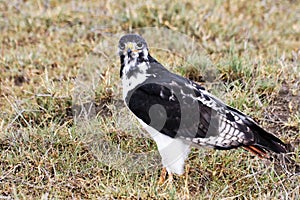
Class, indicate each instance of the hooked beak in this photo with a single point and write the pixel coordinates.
(129, 51)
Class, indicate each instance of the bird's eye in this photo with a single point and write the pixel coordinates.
(122, 46)
(139, 45)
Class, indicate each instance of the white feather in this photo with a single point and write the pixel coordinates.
(173, 151)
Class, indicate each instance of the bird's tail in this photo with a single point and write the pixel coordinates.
(268, 146)
(265, 142)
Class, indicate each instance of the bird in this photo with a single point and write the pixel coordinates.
(180, 114)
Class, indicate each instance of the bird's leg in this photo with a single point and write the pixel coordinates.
(163, 175)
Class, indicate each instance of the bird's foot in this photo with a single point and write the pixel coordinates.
(162, 179)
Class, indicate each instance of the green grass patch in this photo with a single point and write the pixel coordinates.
(249, 58)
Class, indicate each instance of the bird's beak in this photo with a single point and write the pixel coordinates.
(129, 49)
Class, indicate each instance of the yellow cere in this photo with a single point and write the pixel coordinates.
(130, 45)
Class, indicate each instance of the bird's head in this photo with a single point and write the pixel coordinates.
(133, 50)
(132, 46)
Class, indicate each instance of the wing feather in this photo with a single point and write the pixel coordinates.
(210, 123)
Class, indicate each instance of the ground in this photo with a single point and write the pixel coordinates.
(45, 152)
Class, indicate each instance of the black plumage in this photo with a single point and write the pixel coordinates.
(186, 110)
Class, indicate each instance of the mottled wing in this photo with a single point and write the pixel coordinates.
(178, 107)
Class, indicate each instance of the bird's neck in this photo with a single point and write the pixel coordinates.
(133, 74)
(130, 66)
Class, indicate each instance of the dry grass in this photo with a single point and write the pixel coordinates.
(45, 45)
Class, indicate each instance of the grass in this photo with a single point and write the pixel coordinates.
(52, 68)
